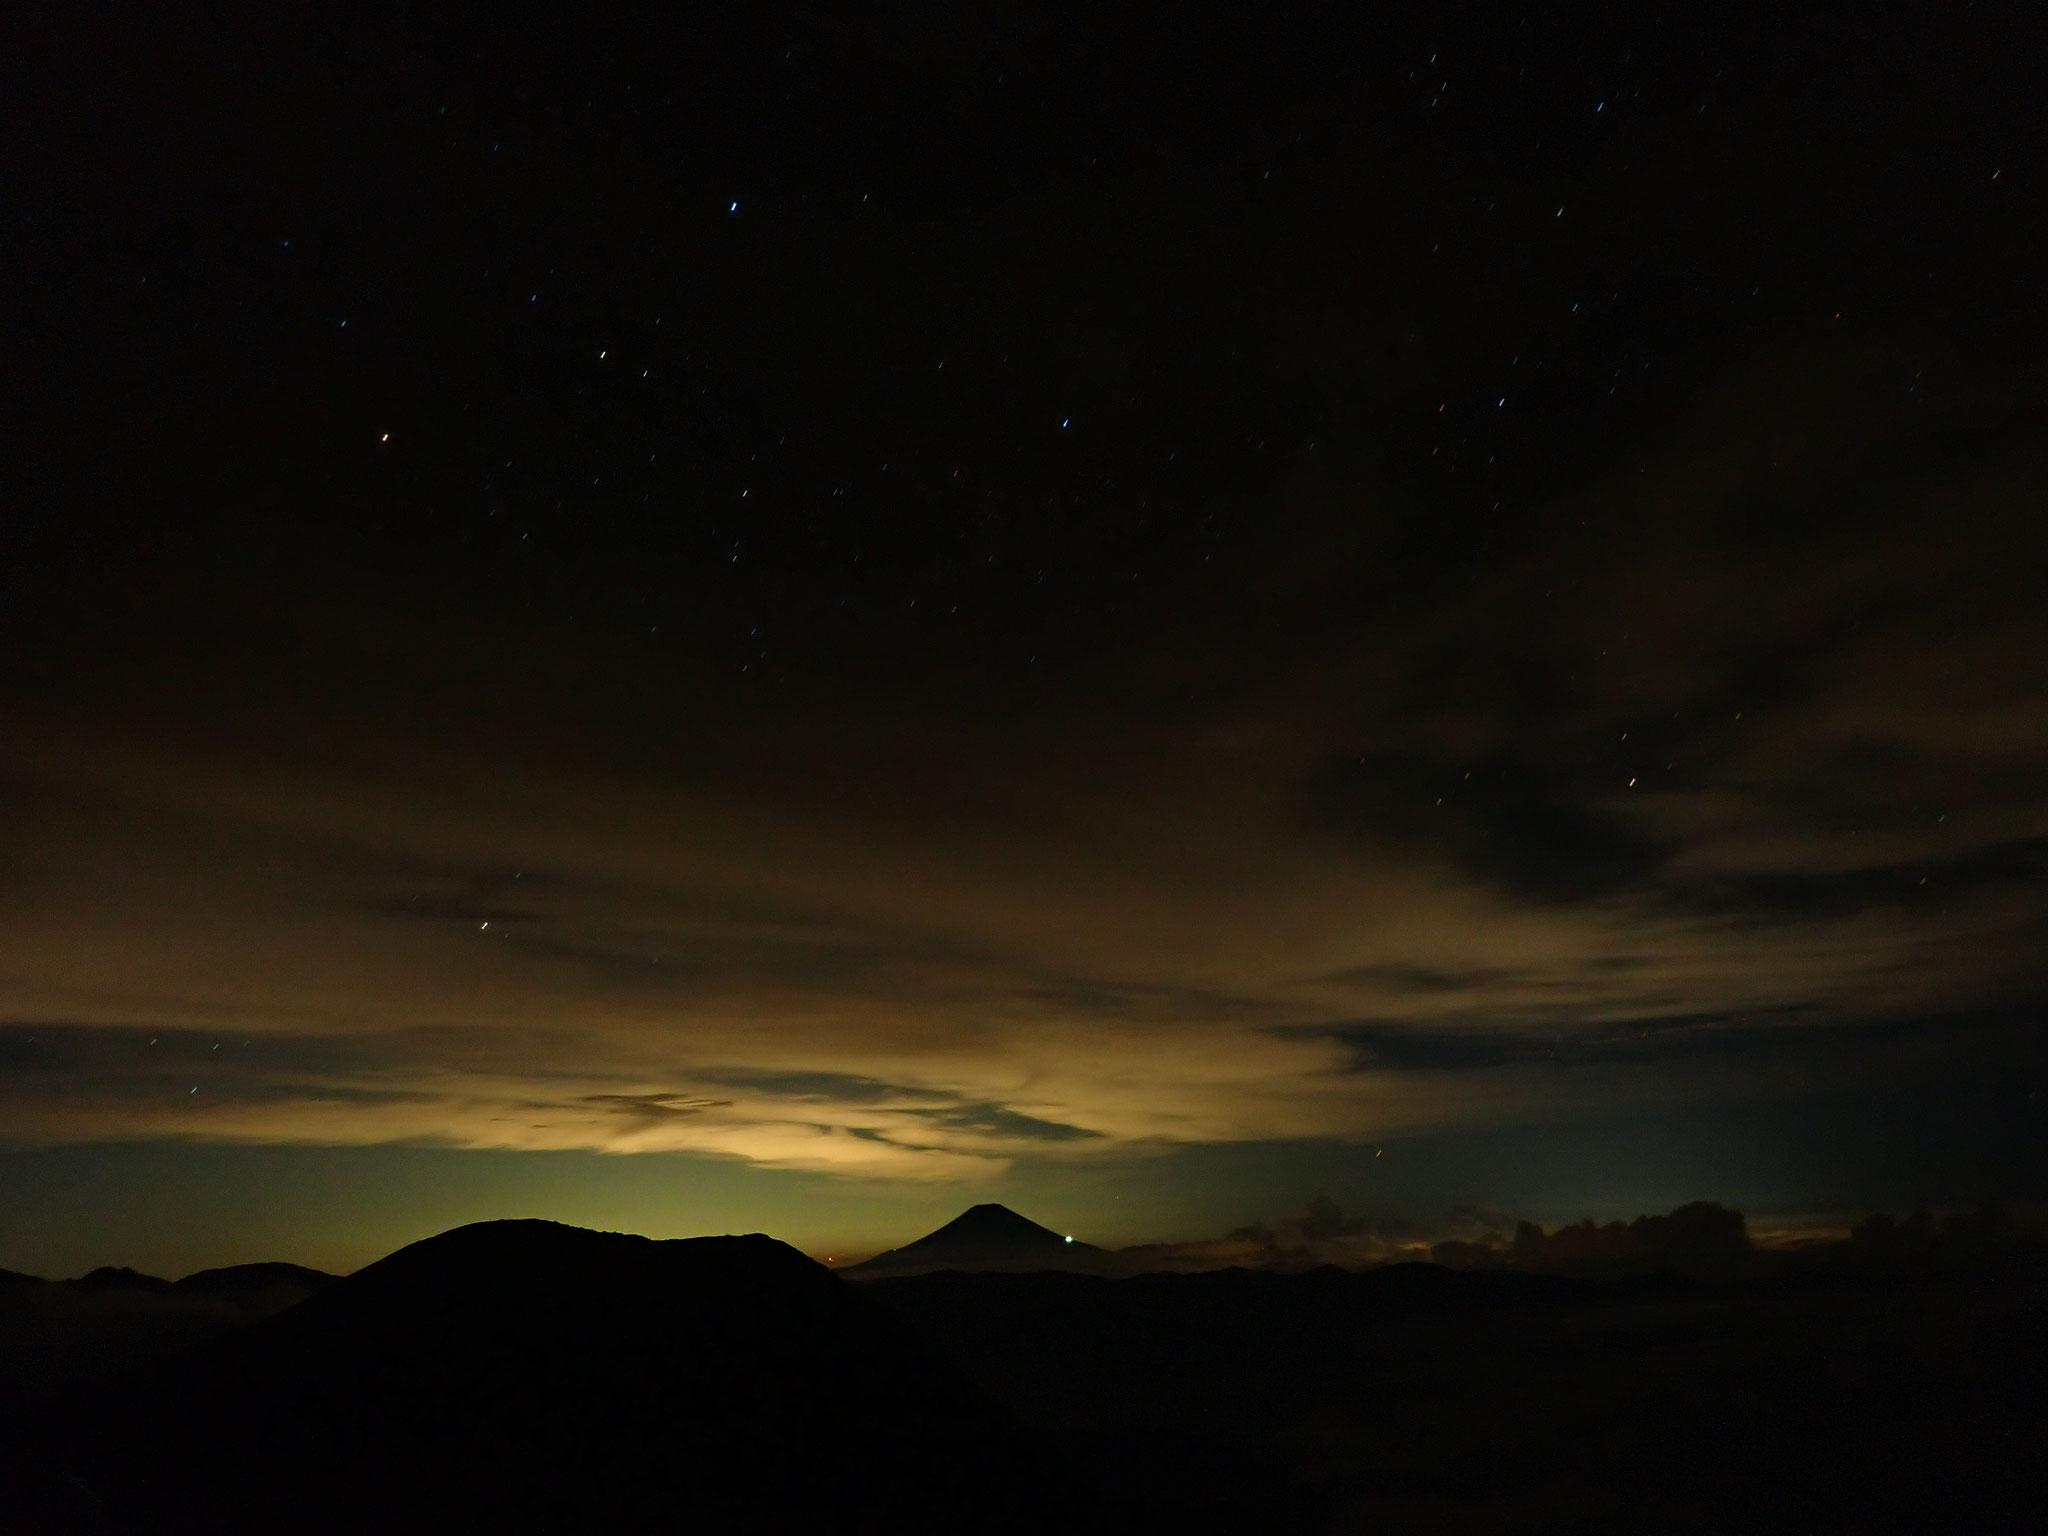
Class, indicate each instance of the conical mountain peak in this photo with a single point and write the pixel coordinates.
(991, 1226)
(988, 1236)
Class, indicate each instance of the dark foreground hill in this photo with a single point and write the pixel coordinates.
(528, 1377)
(524, 1377)
(1417, 1399)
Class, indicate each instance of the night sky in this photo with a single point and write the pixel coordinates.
(792, 617)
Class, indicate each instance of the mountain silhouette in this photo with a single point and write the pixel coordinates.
(241, 1279)
(983, 1237)
(60, 1335)
(524, 1376)
(112, 1277)
(233, 1279)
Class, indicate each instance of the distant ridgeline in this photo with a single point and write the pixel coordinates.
(1709, 1241)
(61, 1333)
(1698, 1239)
(1701, 1241)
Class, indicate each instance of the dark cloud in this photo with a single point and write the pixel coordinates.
(1422, 978)
(2020, 863)
(823, 1087)
(86, 1051)
(1544, 832)
(1094, 995)
(654, 1106)
(504, 897)
(1477, 1218)
(1324, 1220)
(1788, 1045)
(1398, 1048)
(1702, 1238)
(994, 1120)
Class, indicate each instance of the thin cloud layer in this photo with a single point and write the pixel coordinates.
(1580, 824)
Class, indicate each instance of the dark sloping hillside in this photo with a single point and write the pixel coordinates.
(243, 1279)
(985, 1236)
(63, 1335)
(524, 1376)
(120, 1277)
(1417, 1399)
